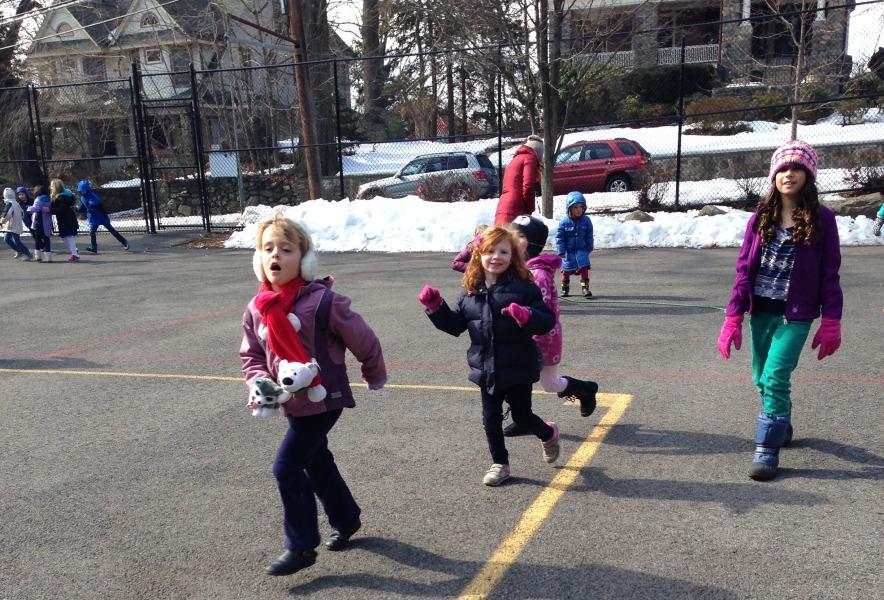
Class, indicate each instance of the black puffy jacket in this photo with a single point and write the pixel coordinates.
(501, 354)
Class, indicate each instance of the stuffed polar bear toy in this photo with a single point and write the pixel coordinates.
(297, 376)
(268, 396)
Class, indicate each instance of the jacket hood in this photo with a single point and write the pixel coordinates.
(23, 190)
(574, 198)
(84, 187)
(550, 262)
(523, 149)
(8, 195)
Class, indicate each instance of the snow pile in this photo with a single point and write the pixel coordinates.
(413, 225)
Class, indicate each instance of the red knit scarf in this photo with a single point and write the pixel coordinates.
(274, 308)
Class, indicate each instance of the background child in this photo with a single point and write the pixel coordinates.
(574, 242)
(462, 259)
(24, 200)
(12, 220)
(90, 203)
(42, 224)
(532, 234)
(501, 308)
(285, 264)
(879, 221)
(63, 204)
(787, 274)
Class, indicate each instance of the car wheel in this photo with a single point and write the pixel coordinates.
(371, 194)
(618, 183)
(460, 193)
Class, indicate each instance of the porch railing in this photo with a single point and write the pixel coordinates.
(707, 53)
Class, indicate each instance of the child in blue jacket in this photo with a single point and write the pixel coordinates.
(574, 243)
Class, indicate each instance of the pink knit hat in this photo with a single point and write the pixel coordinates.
(795, 153)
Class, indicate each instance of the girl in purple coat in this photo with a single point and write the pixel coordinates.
(787, 275)
(532, 234)
(42, 224)
(285, 264)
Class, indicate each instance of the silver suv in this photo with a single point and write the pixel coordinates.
(443, 177)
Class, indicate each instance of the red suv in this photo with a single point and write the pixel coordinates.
(617, 165)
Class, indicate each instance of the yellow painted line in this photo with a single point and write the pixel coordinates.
(394, 386)
(509, 550)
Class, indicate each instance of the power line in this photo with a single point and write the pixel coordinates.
(37, 11)
(84, 27)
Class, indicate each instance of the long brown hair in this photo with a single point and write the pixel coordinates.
(806, 214)
(475, 274)
(56, 186)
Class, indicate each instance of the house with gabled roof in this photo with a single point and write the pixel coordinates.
(82, 61)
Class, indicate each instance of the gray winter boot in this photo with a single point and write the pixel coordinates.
(770, 435)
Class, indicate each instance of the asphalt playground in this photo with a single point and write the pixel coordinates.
(130, 470)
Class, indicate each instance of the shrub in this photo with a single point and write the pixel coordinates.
(865, 173)
(660, 85)
(766, 105)
(819, 93)
(725, 123)
(655, 189)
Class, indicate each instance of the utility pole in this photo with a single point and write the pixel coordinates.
(305, 100)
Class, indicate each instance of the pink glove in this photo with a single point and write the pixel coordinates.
(731, 333)
(519, 313)
(828, 337)
(431, 298)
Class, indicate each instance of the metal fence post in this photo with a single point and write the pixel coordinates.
(499, 119)
(338, 124)
(37, 149)
(680, 123)
(42, 156)
(196, 126)
(138, 127)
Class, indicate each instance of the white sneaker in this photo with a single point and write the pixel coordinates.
(496, 475)
(17, 255)
(25, 257)
(47, 257)
(551, 447)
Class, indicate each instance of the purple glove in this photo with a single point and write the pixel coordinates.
(430, 298)
(828, 337)
(731, 333)
(519, 313)
(376, 385)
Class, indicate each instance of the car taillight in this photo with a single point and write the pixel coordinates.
(480, 175)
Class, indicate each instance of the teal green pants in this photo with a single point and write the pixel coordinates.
(776, 346)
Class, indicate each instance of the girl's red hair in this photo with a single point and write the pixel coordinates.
(491, 237)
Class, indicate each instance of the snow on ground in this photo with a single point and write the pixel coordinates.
(413, 225)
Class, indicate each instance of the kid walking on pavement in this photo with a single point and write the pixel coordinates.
(532, 234)
(574, 243)
(501, 308)
(879, 221)
(12, 220)
(90, 203)
(285, 264)
(787, 274)
(63, 204)
(42, 223)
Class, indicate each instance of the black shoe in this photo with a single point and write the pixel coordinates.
(339, 540)
(565, 292)
(584, 391)
(92, 250)
(587, 293)
(514, 429)
(290, 562)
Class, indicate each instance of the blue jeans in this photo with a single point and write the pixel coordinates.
(13, 240)
(304, 466)
(94, 227)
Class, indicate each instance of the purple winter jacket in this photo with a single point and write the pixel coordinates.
(814, 285)
(346, 331)
(543, 268)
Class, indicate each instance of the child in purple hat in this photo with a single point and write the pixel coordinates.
(787, 276)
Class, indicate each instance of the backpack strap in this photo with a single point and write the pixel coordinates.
(323, 310)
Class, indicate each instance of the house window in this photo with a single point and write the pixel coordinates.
(152, 57)
(180, 67)
(775, 36)
(93, 68)
(66, 69)
(149, 20)
(64, 31)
